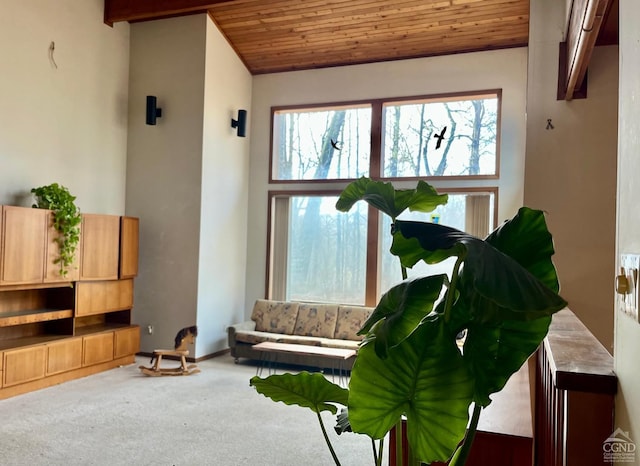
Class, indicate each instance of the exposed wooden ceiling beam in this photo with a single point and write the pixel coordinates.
(138, 10)
(584, 26)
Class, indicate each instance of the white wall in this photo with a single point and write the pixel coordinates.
(225, 193)
(627, 335)
(503, 69)
(66, 124)
(571, 169)
(187, 181)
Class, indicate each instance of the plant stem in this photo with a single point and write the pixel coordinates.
(451, 292)
(326, 439)
(375, 451)
(461, 454)
(380, 450)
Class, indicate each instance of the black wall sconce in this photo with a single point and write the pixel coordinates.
(240, 123)
(153, 111)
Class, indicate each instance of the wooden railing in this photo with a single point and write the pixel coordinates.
(574, 396)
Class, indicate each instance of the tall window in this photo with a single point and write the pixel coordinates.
(318, 254)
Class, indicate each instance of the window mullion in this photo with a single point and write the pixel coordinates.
(372, 271)
(375, 162)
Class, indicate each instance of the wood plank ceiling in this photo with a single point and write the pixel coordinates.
(284, 35)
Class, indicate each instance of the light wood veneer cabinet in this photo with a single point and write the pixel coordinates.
(29, 253)
(127, 341)
(64, 355)
(24, 232)
(129, 233)
(100, 254)
(24, 365)
(104, 296)
(55, 328)
(97, 348)
(52, 252)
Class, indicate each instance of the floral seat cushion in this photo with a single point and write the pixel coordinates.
(316, 320)
(275, 316)
(350, 320)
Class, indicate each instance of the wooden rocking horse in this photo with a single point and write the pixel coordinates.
(184, 337)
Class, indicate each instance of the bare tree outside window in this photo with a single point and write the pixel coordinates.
(468, 146)
(322, 144)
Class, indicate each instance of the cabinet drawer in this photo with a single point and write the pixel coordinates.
(64, 356)
(97, 348)
(127, 342)
(106, 296)
(24, 365)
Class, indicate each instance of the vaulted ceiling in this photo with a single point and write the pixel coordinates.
(283, 35)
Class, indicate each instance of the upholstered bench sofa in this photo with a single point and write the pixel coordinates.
(328, 325)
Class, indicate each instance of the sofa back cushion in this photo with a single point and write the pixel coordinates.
(316, 320)
(274, 316)
(350, 321)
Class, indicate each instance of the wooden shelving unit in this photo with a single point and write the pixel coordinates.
(55, 328)
(11, 318)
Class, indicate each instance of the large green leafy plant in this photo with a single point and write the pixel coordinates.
(66, 220)
(501, 292)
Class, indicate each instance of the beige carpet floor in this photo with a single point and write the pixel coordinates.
(121, 417)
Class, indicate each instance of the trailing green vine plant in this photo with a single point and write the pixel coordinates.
(66, 220)
(502, 291)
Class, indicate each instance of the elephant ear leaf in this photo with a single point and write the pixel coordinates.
(495, 286)
(508, 291)
(526, 239)
(304, 389)
(423, 378)
(495, 352)
(391, 201)
(429, 242)
(401, 310)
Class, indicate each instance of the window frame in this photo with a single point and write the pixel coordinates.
(372, 282)
(376, 149)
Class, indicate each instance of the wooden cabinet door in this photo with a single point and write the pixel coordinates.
(129, 233)
(24, 365)
(100, 247)
(52, 269)
(127, 342)
(64, 355)
(97, 348)
(101, 297)
(23, 245)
